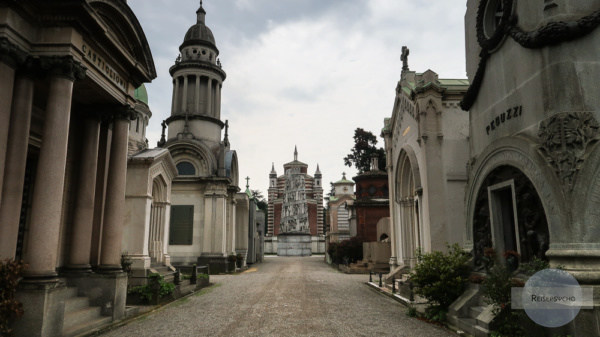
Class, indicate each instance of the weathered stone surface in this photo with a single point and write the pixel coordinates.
(294, 245)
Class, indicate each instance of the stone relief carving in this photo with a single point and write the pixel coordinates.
(550, 34)
(294, 218)
(566, 138)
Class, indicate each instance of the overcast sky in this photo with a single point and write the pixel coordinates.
(304, 72)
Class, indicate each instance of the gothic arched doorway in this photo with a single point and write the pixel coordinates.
(407, 200)
(156, 239)
(509, 217)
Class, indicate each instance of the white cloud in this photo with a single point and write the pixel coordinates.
(313, 79)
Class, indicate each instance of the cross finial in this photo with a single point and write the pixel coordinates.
(247, 182)
(404, 57)
(344, 175)
(201, 14)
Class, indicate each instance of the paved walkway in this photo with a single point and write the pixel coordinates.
(283, 297)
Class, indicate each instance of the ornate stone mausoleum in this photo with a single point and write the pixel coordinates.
(68, 74)
(426, 141)
(295, 219)
(534, 168)
(207, 209)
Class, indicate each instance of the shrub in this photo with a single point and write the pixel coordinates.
(497, 289)
(441, 277)
(347, 251)
(332, 250)
(156, 285)
(10, 308)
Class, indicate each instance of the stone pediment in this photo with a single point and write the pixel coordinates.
(125, 32)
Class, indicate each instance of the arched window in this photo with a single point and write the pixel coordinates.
(186, 169)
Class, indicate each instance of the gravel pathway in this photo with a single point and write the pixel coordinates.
(283, 297)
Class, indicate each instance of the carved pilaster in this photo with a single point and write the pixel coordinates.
(566, 138)
(63, 66)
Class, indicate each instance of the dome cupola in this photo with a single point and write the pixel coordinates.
(199, 34)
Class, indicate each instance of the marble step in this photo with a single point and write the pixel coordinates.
(467, 325)
(475, 311)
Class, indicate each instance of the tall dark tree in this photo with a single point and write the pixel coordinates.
(261, 203)
(365, 147)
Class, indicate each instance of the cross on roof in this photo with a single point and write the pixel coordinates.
(247, 182)
(404, 57)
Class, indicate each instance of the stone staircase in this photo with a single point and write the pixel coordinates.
(470, 313)
(167, 272)
(79, 316)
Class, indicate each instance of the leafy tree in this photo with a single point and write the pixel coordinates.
(261, 202)
(364, 149)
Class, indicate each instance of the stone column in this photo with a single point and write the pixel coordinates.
(14, 170)
(185, 92)
(10, 58)
(392, 203)
(83, 218)
(100, 191)
(173, 99)
(112, 232)
(46, 210)
(7, 77)
(197, 94)
(209, 98)
(218, 102)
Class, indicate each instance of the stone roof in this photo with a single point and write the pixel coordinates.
(199, 34)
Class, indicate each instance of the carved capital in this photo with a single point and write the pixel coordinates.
(11, 54)
(63, 66)
(566, 138)
(124, 112)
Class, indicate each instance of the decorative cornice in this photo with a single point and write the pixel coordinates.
(198, 65)
(178, 117)
(550, 34)
(63, 66)
(11, 54)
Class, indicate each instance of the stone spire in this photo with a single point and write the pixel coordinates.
(318, 171)
(273, 172)
(295, 153)
(201, 14)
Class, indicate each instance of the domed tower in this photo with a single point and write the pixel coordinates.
(197, 81)
(203, 214)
